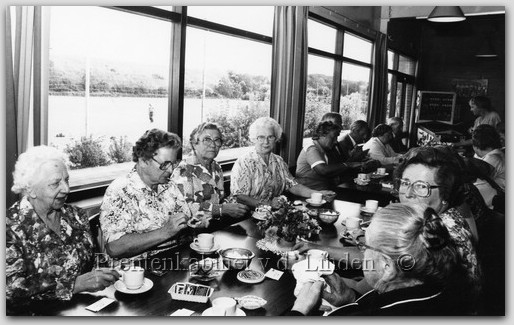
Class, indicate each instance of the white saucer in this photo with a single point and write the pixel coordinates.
(120, 286)
(208, 312)
(316, 204)
(366, 210)
(361, 182)
(194, 246)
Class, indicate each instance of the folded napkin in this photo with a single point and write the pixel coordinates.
(310, 270)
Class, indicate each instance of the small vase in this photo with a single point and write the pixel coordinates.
(285, 244)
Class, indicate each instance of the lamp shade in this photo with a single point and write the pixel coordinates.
(486, 50)
(448, 14)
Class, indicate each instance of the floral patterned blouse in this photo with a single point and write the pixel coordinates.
(131, 206)
(462, 237)
(201, 187)
(41, 264)
(251, 176)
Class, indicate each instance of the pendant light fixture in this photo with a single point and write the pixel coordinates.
(446, 14)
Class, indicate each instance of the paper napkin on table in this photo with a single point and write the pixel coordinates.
(182, 312)
(311, 271)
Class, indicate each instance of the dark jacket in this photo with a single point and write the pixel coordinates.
(419, 300)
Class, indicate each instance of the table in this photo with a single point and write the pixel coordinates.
(157, 301)
(350, 191)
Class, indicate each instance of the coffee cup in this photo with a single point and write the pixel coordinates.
(133, 277)
(371, 205)
(353, 222)
(204, 241)
(316, 197)
(381, 171)
(317, 254)
(224, 306)
(363, 176)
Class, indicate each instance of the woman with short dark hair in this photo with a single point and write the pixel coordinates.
(313, 168)
(200, 178)
(142, 212)
(487, 144)
(379, 145)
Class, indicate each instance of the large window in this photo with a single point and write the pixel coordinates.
(339, 65)
(401, 86)
(108, 83)
(109, 80)
(228, 74)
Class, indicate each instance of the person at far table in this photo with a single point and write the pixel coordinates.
(379, 145)
(200, 178)
(351, 143)
(487, 144)
(396, 123)
(313, 167)
(481, 107)
(412, 263)
(142, 209)
(260, 176)
(49, 248)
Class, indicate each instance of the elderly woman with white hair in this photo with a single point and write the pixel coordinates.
(49, 251)
(260, 175)
(410, 263)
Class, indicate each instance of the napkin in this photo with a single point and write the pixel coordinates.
(182, 312)
(310, 270)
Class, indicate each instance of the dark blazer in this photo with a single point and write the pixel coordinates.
(345, 146)
(422, 300)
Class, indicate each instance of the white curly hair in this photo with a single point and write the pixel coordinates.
(28, 165)
(265, 122)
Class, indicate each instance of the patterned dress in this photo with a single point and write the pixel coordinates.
(201, 187)
(130, 206)
(40, 264)
(251, 176)
(463, 239)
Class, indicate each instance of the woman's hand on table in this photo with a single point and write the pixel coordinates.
(235, 210)
(175, 224)
(304, 246)
(309, 297)
(340, 293)
(95, 280)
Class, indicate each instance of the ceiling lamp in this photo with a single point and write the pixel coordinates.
(446, 14)
(486, 50)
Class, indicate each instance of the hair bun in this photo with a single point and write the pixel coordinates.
(434, 234)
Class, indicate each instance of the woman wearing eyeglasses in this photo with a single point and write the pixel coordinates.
(260, 175)
(410, 263)
(142, 210)
(200, 178)
(433, 176)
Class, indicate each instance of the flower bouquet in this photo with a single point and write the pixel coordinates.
(285, 225)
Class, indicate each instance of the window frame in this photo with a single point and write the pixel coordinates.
(402, 109)
(339, 59)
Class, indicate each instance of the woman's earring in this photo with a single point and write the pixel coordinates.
(443, 202)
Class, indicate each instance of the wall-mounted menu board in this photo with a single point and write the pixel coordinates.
(437, 106)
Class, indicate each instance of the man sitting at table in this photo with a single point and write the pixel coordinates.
(141, 210)
(350, 146)
(379, 147)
